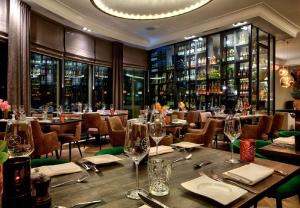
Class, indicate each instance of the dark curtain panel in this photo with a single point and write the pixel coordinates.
(117, 66)
(18, 75)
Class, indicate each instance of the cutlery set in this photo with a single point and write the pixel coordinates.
(89, 166)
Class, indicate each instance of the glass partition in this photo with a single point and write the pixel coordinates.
(134, 91)
(44, 81)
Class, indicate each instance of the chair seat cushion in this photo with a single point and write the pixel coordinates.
(111, 151)
(289, 133)
(93, 130)
(45, 161)
(289, 188)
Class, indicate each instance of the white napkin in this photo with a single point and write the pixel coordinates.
(285, 140)
(186, 145)
(53, 170)
(102, 159)
(144, 206)
(249, 174)
(161, 150)
(179, 121)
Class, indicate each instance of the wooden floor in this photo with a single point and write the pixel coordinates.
(91, 148)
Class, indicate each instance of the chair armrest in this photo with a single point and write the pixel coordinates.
(50, 141)
(249, 131)
(196, 131)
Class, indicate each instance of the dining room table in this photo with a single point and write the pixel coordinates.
(280, 152)
(115, 179)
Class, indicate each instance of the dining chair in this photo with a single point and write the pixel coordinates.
(95, 126)
(259, 131)
(116, 131)
(44, 143)
(71, 134)
(123, 117)
(202, 136)
(204, 116)
(193, 119)
(277, 124)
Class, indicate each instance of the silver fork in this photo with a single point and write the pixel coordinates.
(227, 180)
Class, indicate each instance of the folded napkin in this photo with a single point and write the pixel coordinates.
(285, 140)
(53, 170)
(186, 145)
(161, 150)
(249, 174)
(179, 121)
(102, 159)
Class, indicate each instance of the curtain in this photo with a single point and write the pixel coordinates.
(18, 75)
(117, 66)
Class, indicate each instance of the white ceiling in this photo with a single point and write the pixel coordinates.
(281, 18)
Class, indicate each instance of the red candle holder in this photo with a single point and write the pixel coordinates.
(247, 150)
(168, 119)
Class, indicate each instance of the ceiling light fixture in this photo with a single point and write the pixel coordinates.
(239, 24)
(189, 37)
(84, 29)
(147, 9)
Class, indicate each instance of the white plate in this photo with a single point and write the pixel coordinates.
(186, 145)
(102, 159)
(218, 191)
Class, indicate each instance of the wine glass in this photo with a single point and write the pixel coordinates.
(136, 147)
(19, 139)
(232, 130)
(15, 111)
(22, 112)
(60, 110)
(45, 112)
(146, 112)
(157, 130)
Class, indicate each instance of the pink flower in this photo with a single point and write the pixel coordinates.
(4, 105)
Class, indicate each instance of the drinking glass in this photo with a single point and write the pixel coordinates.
(45, 112)
(15, 111)
(136, 147)
(232, 130)
(60, 110)
(22, 112)
(19, 139)
(85, 108)
(147, 109)
(157, 130)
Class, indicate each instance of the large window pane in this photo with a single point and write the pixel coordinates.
(134, 91)
(44, 81)
(76, 88)
(102, 88)
(3, 70)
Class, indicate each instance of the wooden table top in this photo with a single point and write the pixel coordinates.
(281, 151)
(58, 122)
(116, 179)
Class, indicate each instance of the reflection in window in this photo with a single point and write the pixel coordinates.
(134, 91)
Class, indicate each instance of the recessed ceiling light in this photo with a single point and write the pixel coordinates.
(239, 24)
(147, 9)
(89, 30)
(189, 37)
(84, 29)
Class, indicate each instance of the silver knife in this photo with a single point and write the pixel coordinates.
(152, 202)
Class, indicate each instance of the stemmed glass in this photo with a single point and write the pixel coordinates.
(136, 147)
(232, 130)
(45, 112)
(15, 111)
(157, 130)
(146, 112)
(19, 139)
(22, 112)
(59, 110)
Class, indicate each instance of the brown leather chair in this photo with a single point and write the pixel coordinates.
(259, 131)
(71, 134)
(166, 141)
(204, 117)
(123, 116)
(44, 143)
(116, 131)
(178, 114)
(95, 125)
(277, 124)
(202, 136)
(193, 119)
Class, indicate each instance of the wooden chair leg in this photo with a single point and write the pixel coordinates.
(278, 203)
(56, 154)
(79, 148)
(61, 144)
(70, 151)
(99, 139)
